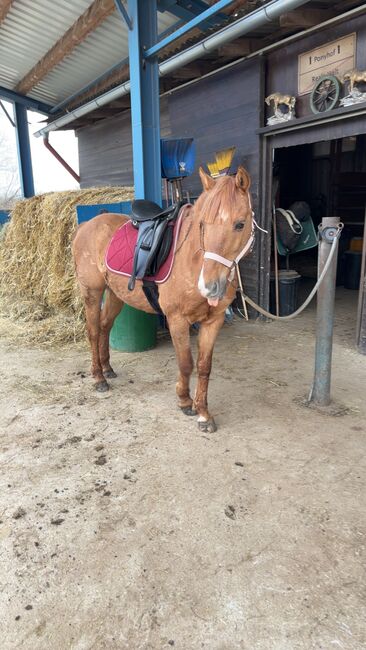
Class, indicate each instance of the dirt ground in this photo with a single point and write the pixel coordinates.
(125, 528)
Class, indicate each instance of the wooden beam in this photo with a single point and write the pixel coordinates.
(4, 8)
(188, 72)
(103, 112)
(192, 70)
(238, 48)
(84, 25)
(121, 103)
(345, 5)
(304, 18)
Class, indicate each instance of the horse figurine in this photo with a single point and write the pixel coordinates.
(354, 77)
(278, 99)
(216, 232)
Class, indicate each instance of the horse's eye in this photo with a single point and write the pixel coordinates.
(239, 225)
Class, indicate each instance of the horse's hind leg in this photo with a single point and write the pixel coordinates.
(92, 300)
(179, 330)
(111, 308)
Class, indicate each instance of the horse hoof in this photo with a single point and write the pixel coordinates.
(207, 426)
(102, 386)
(109, 374)
(188, 410)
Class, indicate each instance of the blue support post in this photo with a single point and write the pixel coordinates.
(134, 331)
(145, 116)
(24, 151)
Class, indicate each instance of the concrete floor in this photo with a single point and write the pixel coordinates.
(125, 528)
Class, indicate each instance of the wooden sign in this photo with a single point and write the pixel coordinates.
(334, 58)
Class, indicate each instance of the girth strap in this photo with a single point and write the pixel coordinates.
(142, 251)
(151, 292)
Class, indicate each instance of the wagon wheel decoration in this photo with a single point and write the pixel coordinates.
(325, 94)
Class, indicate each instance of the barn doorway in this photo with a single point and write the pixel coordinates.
(330, 177)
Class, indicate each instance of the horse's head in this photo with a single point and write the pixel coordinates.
(225, 217)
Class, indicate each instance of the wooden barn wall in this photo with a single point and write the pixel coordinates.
(105, 150)
(218, 111)
(282, 65)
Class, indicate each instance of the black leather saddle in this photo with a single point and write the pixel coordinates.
(154, 239)
(148, 211)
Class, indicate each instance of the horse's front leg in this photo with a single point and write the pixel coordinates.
(206, 341)
(179, 331)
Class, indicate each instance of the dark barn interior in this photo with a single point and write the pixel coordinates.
(331, 177)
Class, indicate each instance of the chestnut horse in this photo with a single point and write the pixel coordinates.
(216, 231)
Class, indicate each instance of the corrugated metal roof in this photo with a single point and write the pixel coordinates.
(29, 30)
(32, 27)
(103, 48)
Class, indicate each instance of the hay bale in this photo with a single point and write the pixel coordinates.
(38, 290)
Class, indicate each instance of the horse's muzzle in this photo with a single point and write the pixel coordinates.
(216, 289)
(213, 290)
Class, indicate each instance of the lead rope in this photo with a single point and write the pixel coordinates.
(246, 299)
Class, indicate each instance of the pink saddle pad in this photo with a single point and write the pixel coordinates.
(121, 250)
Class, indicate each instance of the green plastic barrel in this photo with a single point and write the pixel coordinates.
(133, 331)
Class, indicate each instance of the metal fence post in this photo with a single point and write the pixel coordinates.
(320, 393)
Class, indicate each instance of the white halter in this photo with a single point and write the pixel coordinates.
(247, 248)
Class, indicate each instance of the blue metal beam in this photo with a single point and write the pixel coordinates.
(123, 12)
(174, 8)
(188, 9)
(7, 114)
(32, 104)
(202, 17)
(145, 116)
(24, 151)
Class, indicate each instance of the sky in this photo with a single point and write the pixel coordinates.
(49, 175)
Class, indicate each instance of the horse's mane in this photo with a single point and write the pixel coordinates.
(219, 199)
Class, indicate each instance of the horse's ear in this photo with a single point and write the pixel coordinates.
(206, 180)
(242, 179)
